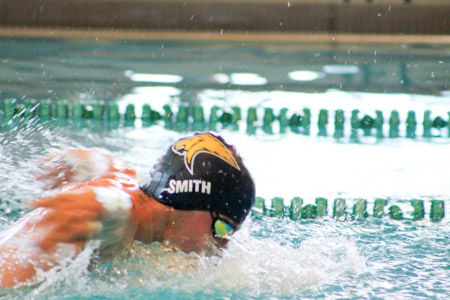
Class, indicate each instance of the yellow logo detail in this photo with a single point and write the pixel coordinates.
(205, 143)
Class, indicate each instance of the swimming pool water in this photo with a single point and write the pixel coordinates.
(105, 68)
(270, 258)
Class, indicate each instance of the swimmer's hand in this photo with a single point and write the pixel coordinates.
(96, 213)
(72, 166)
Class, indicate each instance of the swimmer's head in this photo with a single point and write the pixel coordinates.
(203, 172)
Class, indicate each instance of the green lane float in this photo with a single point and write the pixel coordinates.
(366, 124)
(45, 110)
(378, 208)
(448, 125)
(199, 119)
(306, 121)
(146, 116)
(437, 211)
(62, 113)
(283, 120)
(87, 112)
(295, 209)
(355, 125)
(277, 207)
(295, 122)
(130, 115)
(252, 120)
(62, 110)
(168, 117)
(298, 210)
(98, 111)
(77, 111)
(394, 123)
(439, 123)
(418, 209)
(323, 122)
(395, 212)
(226, 119)
(339, 121)
(9, 109)
(30, 107)
(259, 208)
(236, 118)
(182, 119)
(339, 208)
(427, 124)
(360, 209)
(113, 116)
(268, 119)
(411, 125)
(149, 116)
(322, 207)
(309, 211)
(214, 118)
(379, 122)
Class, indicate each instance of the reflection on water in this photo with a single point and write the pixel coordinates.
(158, 78)
(110, 69)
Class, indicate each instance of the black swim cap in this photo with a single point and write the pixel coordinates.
(203, 172)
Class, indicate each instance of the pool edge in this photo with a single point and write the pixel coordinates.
(221, 36)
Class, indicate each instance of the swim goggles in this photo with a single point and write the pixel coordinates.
(221, 228)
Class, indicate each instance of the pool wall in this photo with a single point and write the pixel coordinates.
(330, 16)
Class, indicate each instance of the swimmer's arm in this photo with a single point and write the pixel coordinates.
(59, 229)
(94, 213)
(73, 166)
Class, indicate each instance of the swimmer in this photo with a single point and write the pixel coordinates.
(198, 195)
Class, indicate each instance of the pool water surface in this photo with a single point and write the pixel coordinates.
(271, 257)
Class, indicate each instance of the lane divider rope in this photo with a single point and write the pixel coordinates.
(192, 118)
(342, 209)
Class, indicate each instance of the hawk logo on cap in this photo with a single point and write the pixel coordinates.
(205, 143)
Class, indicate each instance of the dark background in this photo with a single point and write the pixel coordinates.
(317, 16)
